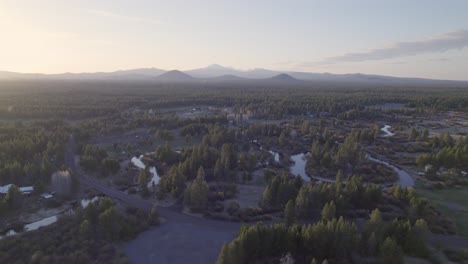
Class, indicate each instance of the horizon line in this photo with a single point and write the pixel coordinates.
(275, 72)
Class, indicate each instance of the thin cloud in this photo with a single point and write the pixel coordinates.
(397, 62)
(283, 63)
(115, 16)
(438, 43)
(439, 59)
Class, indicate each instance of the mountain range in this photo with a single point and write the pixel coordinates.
(218, 73)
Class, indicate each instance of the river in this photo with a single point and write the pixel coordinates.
(298, 168)
(48, 220)
(139, 164)
(275, 155)
(386, 131)
(405, 180)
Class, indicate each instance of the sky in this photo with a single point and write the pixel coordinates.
(417, 38)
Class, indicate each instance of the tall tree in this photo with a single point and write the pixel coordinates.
(290, 213)
(197, 192)
(328, 211)
(391, 253)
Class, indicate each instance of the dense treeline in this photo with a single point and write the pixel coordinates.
(328, 157)
(446, 152)
(217, 153)
(304, 201)
(330, 241)
(91, 99)
(308, 198)
(31, 151)
(94, 158)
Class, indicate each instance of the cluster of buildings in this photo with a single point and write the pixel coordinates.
(26, 190)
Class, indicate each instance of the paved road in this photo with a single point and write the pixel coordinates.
(181, 239)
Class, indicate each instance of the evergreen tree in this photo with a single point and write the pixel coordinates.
(376, 216)
(426, 134)
(143, 179)
(328, 211)
(413, 134)
(218, 170)
(14, 198)
(372, 244)
(85, 228)
(390, 252)
(339, 182)
(197, 192)
(223, 257)
(290, 213)
(282, 139)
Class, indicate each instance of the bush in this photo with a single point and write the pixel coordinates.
(233, 207)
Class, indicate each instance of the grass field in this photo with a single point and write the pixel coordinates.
(452, 202)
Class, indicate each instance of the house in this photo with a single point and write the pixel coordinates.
(27, 189)
(46, 196)
(23, 190)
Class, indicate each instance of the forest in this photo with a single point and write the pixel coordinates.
(228, 153)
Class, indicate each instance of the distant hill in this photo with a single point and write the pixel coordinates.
(216, 70)
(144, 73)
(218, 73)
(227, 77)
(212, 71)
(175, 76)
(283, 77)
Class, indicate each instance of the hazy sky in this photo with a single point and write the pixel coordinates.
(419, 38)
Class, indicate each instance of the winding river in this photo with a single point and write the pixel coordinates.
(139, 164)
(386, 131)
(298, 168)
(405, 180)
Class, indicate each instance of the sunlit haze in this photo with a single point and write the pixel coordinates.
(400, 38)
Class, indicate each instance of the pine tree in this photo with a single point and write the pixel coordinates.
(426, 134)
(223, 257)
(197, 193)
(14, 198)
(413, 134)
(85, 228)
(218, 170)
(339, 182)
(328, 211)
(372, 244)
(376, 216)
(187, 194)
(282, 139)
(267, 197)
(391, 253)
(290, 213)
(143, 179)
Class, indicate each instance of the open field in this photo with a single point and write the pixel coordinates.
(452, 202)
